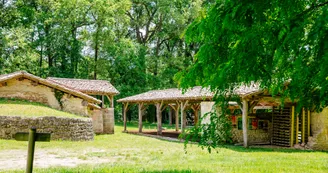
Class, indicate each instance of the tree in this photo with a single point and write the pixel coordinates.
(270, 42)
(157, 26)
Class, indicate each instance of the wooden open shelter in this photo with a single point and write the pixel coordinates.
(286, 128)
(173, 98)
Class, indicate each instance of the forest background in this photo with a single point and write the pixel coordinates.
(137, 45)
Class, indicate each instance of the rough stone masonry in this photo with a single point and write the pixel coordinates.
(60, 128)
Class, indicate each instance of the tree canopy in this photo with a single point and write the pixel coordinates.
(280, 44)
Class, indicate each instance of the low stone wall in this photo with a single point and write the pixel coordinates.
(60, 128)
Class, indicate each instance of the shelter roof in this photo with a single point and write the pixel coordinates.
(196, 93)
(173, 94)
(24, 74)
(92, 87)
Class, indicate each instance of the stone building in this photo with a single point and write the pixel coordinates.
(69, 95)
(103, 118)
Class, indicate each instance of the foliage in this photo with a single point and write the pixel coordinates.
(59, 95)
(280, 44)
(134, 44)
(212, 130)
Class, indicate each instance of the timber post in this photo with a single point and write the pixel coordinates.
(196, 108)
(170, 116)
(140, 106)
(183, 116)
(244, 118)
(303, 126)
(292, 127)
(309, 123)
(176, 108)
(125, 109)
(30, 151)
(159, 117)
(31, 137)
(111, 99)
(177, 118)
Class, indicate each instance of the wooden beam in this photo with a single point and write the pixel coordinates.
(163, 107)
(292, 127)
(244, 118)
(140, 105)
(263, 107)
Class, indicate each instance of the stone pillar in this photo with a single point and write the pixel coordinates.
(97, 121)
(108, 120)
(205, 108)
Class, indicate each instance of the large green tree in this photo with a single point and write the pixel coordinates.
(270, 42)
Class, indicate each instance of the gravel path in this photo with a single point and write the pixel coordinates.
(16, 159)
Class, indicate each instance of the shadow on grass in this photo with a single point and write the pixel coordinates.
(252, 148)
(265, 148)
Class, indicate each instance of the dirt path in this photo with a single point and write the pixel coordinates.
(16, 159)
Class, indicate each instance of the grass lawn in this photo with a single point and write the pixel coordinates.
(131, 153)
(30, 109)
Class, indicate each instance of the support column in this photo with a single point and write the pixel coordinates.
(309, 123)
(103, 101)
(244, 118)
(177, 118)
(303, 126)
(159, 118)
(297, 128)
(140, 106)
(183, 116)
(170, 116)
(111, 99)
(126, 105)
(292, 127)
(176, 108)
(195, 108)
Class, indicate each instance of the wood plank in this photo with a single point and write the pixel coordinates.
(40, 137)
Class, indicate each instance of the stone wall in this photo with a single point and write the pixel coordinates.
(97, 120)
(60, 128)
(319, 130)
(254, 136)
(103, 121)
(109, 122)
(29, 90)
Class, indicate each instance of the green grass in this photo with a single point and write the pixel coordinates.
(133, 153)
(22, 108)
